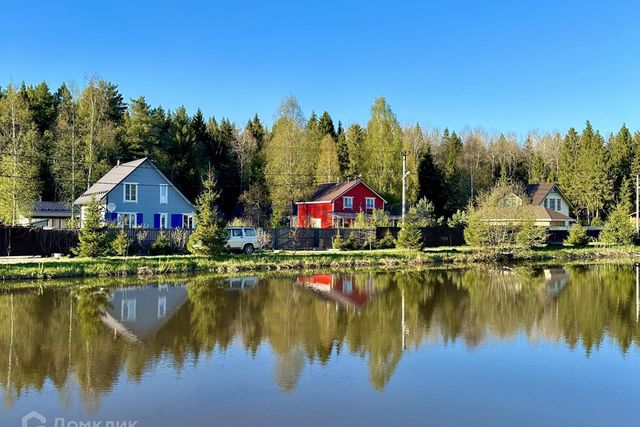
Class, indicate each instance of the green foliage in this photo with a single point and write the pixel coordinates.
(360, 221)
(379, 218)
(210, 235)
(577, 236)
(121, 244)
(93, 237)
(162, 245)
(423, 213)
(618, 230)
(458, 219)
(431, 182)
(410, 235)
(337, 241)
(529, 235)
(387, 241)
(348, 244)
(597, 222)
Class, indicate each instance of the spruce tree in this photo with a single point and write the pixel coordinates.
(343, 151)
(93, 238)
(410, 235)
(431, 183)
(210, 235)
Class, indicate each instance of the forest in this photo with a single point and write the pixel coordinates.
(56, 143)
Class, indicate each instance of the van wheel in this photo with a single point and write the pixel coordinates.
(248, 249)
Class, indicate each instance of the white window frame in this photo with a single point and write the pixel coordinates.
(124, 192)
(120, 219)
(164, 194)
(344, 202)
(163, 219)
(316, 222)
(373, 202)
(186, 219)
(552, 204)
(559, 204)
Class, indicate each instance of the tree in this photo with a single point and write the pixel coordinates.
(619, 229)
(210, 235)
(355, 142)
(592, 174)
(121, 244)
(431, 182)
(568, 168)
(140, 130)
(410, 235)
(244, 146)
(450, 155)
(19, 159)
(382, 165)
(621, 154)
(93, 238)
(328, 168)
(325, 126)
(577, 236)
(343, 151)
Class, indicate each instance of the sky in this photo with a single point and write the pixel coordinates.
(510, 66)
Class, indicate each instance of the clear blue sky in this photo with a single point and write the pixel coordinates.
(509, 66)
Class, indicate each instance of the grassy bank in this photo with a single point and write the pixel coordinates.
(275, 261)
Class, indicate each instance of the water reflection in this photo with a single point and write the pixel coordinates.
(88, 336)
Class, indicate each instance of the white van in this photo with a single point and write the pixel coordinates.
(244, 239)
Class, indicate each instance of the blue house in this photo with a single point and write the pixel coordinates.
(137, 194)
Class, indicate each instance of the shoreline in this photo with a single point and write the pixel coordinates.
(387, 259)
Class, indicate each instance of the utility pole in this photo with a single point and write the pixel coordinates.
(637, 206)
(404, 184)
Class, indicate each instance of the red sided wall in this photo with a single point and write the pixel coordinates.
(306, 211)
(360, 192)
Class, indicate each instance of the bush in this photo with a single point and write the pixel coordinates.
(577, 236)
(529, 235)
(162, 245)
(348, 244)
(121, 244)
(618, 230)
(410, 235)
(458, 219)
(387, 241)
(597, 222)
(337, 241)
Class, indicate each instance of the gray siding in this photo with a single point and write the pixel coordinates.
(149, 180)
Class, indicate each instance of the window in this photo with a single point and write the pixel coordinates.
(164, 194)
(552, 204)
(370, 202)
(235, 232)
(162, 307)
(128, 310)
(249, 232)
(347, 202)
(126, 220)
(347, 286)
(187, 221)
(559, 204)
(131, 192)
(163, 220)
(316, 223)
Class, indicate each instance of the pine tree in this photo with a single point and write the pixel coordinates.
(621, 155)
(343, 151)
(326, 127)
(355, 142)
(93, 238)
(139, 132)
(410, 235)
(210, 235)
(431, 182)
(567, 168)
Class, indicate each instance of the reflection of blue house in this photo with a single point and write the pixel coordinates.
(242, 283)
(137, 194)
(137, 313)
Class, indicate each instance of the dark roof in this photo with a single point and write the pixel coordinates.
(328, 192)
(109, 181)
(537, 192)
(51, 209)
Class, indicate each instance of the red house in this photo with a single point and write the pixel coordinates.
(336, 204)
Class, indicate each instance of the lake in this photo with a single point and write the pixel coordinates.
(524, 346)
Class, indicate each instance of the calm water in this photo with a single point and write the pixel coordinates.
(477, 347)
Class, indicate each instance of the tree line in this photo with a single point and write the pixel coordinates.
(56, 143)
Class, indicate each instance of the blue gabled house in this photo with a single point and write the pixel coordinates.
(137, 194)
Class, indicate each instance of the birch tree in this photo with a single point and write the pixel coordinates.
(18, 158)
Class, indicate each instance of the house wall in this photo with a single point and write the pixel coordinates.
(359, 193)
(307, 211)
(564, 209)
(148, 204)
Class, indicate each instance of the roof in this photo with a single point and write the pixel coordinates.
(330, 191)
(537, 192)
(514, 213)
(109, 181)
(51, 209)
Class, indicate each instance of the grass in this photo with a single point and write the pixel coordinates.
(392, 259)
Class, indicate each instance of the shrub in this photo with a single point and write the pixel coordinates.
(577, 236)
(162, 245)
(348, 244)
(458, 219)
(529, 235)
(410, 235)
(618, 229)
(387, 241)
(337, 241)
(93, 237)
(121, 244)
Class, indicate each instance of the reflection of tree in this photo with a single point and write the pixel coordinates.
(57, 335)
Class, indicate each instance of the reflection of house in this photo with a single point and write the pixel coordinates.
(336, 204)
(341, 288)
(137, 313)
(555, 279)
(242, 283)
(549, 207)
(48, 215)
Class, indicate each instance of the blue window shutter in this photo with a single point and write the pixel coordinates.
(139, 219)
(176, 220)
(156, 220)
(112, 216)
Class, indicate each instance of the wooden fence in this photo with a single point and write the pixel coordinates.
(27, 241)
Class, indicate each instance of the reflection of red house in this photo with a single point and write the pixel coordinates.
(336, 204)
(340, 288)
